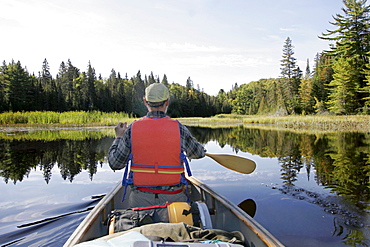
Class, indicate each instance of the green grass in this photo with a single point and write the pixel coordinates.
(359, 123)
(71, 118)
(47, 119)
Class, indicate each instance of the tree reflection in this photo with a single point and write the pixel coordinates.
(341, 160)
(18, 158)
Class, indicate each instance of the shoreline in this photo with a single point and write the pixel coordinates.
(304, 124)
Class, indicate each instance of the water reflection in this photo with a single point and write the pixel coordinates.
(77, 151)
(338, 161)
(341, 160)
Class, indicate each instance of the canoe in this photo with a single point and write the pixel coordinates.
(224, 215)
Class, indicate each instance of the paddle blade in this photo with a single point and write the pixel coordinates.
(249, 206)
(233, 162)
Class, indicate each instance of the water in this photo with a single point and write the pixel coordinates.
(310, 190)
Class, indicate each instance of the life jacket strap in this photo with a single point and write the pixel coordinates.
(126, 180)
(187, 167)
(156, 191)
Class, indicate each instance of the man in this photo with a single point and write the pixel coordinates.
(155, 143)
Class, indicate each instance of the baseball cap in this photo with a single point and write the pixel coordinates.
(156, 92)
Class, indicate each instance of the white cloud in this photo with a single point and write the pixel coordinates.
(217, 44)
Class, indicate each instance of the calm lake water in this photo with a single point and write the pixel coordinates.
(310, 190)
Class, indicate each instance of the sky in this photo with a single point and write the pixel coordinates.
(216, 43)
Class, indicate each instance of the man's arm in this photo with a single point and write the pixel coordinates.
(121, 147)
(192, 148)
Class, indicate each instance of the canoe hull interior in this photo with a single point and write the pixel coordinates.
(224, 215)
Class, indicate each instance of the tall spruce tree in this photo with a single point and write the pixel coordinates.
(291, 75)
(3, 88)
(91, 92)
(352, 43)
(306, 99)
(308, 70)
(288, 63)
(366, 91)
(322, 75)
(138, 92)
(21, 92)
(343, 87)
(165, 81)
(48, 93)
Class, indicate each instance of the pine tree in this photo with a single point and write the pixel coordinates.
(21, 90)
(66, 80)
(352, 39)
(62, 85)
(288, 63)
(4, 88)
(48, 93)
(343, 87)
(151, 79)
(308, 71)
(165, 81)
(291, 76)
(138, 92)
(91, 92)
(306, 99)
(322, 75)
(366, 91)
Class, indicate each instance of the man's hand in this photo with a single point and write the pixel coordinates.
(120, 129)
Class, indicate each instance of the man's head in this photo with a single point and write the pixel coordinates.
(156, 95)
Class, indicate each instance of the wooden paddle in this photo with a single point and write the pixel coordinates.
(249, 206)
(233, 162)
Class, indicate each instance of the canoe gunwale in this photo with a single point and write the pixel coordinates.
(259, 230)
(84, 226)
(78, 235)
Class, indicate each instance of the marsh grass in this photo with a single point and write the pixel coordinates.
(72, 118)
(360, 123)
(75, 134)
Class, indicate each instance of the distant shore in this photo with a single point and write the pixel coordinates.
(52, 120)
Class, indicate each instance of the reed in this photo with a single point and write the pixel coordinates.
(64, 118)
(95, 118)
(359, 123)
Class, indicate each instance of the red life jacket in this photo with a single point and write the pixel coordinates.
(156, 149)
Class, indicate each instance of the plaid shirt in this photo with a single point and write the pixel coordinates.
(121, 147)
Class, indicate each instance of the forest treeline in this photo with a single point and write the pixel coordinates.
(75, 90)
(339, 83)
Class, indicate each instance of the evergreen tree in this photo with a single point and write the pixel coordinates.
(90, 90)
(48, 91)
(322, 75)
(165, 81)
(352, 39)
(306, 99)
(288, 63)
(138, 92)
(366, 91)
(21, 91)
(74, 92)
(343, 87)
(291, 75)
(66, 80)
(121, 96)
(308, 71)
(112, 84)
(61, 84)
(151, 79)
(4, 88)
